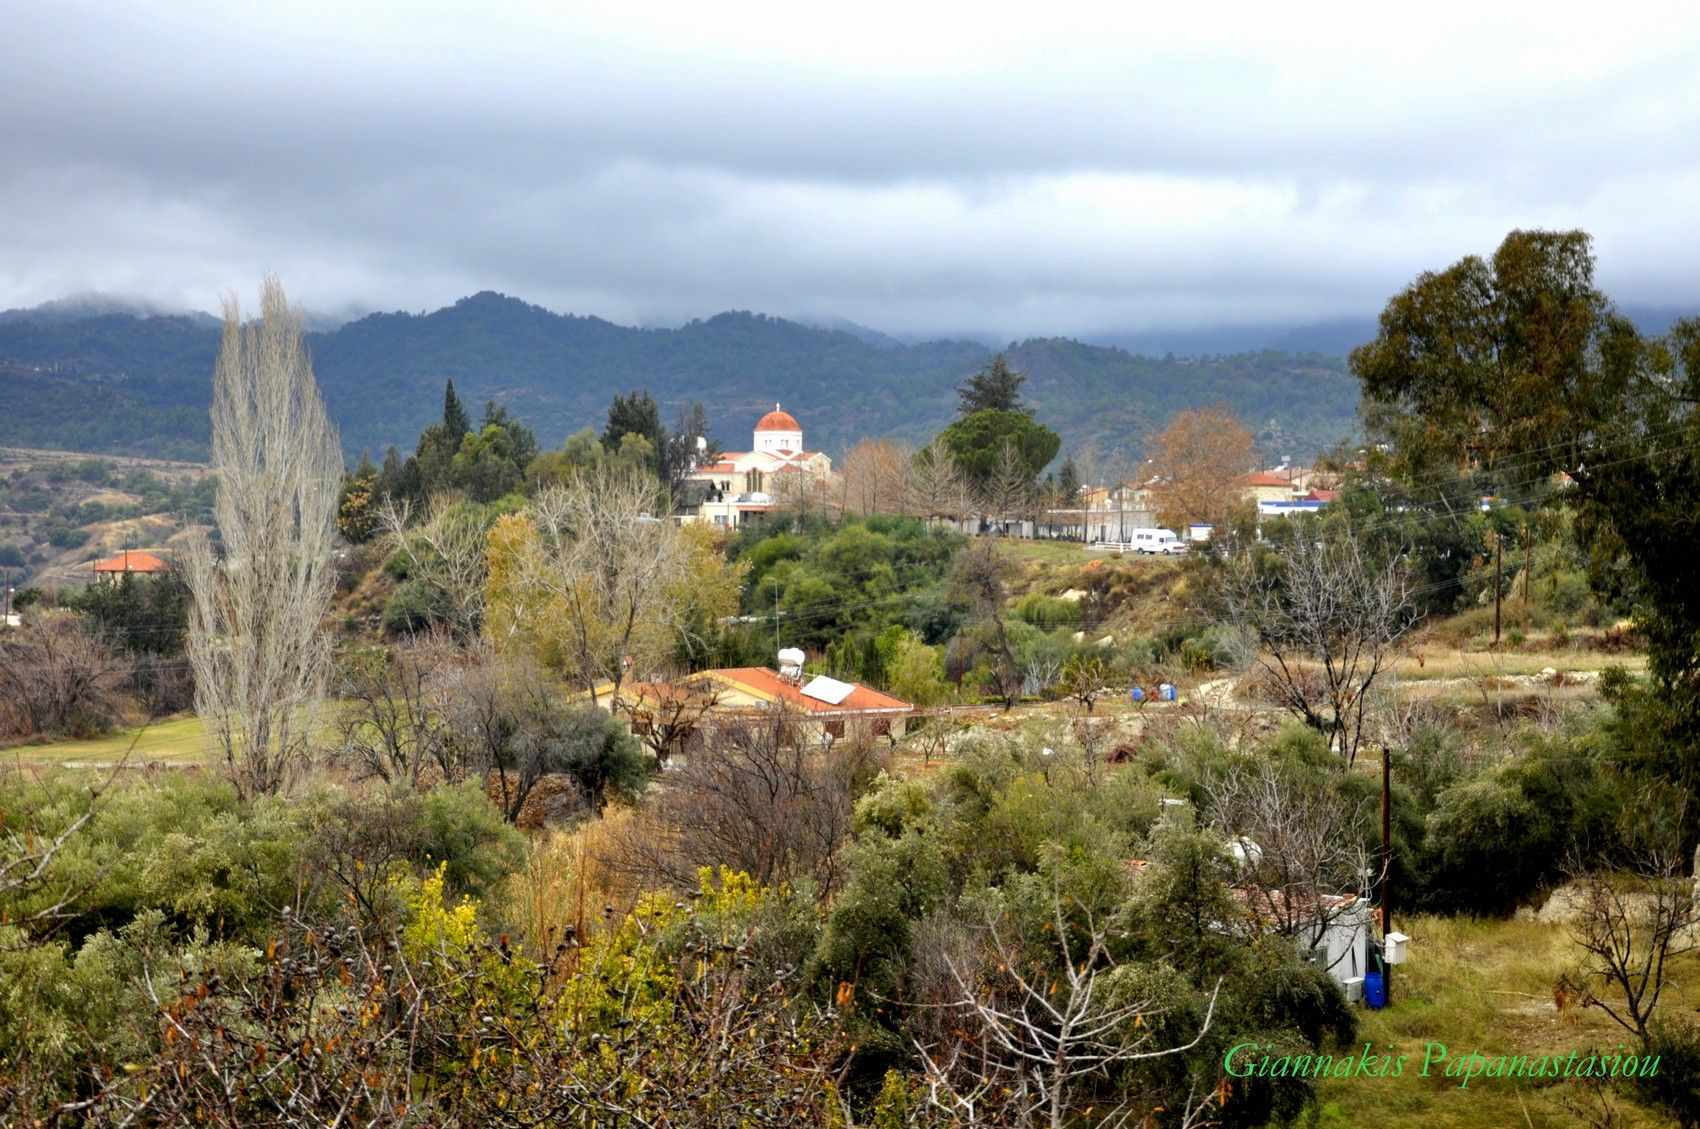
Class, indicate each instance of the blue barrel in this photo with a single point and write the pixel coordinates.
(1137, 694)
(1375, 990)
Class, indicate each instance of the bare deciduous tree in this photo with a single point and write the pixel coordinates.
(1198, 461)
(1630, 925)
(1326, 619)
(508, 723)
(934, 734)
(1007, 494)
(392, 724)
(757, 796)
(876, 477)
(599, 582)
(936, 486)
(446, 553)
(802, 493)
(1040, 1032)
(56, 678)
(666, 716)
(1086, 678)
(256, 642)
(1303, 847)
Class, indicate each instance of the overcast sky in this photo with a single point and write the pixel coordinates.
(914, 166)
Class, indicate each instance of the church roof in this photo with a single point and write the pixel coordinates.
(778, 420)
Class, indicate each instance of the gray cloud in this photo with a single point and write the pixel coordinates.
(908, 166)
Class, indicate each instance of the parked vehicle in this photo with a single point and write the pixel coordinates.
(1161, 541)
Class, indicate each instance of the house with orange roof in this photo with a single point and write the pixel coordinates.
(740, 487)
(1269, 486)
(129, 561)
(828, 709)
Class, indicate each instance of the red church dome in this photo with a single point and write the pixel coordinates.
(777, 420)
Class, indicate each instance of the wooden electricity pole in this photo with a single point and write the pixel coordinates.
(1386, 865)
(1498, 582)
(1528, 564)
(1386, 839)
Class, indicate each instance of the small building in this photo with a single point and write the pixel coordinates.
(834, 709)
(1330, 931)
(1291, 506)
(1269, 486)
(829, 709)
(129, 561)
(1106, 514)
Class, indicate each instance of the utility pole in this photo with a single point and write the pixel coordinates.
(1498, 583)
(1386, 838)
(1386, 861)
(1528, 563)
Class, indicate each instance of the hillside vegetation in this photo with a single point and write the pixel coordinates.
(381, 374)
(60, 510)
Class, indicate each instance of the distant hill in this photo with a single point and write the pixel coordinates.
(139, 384)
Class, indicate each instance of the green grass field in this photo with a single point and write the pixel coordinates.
(1486, 986)
(1049, 552)
(173, 741)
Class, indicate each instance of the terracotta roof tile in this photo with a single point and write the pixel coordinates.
(767, 683)
(131, 560)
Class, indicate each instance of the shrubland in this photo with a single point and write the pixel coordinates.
(749, 925)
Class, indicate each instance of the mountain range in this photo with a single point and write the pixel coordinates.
(87, 377)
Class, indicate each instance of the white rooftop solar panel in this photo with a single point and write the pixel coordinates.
(828, 690)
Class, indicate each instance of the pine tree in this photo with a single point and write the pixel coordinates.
(635, 413)
(997, 387)
(455, 421)
(1068, 482)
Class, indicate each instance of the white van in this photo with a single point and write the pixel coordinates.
(1157, 541)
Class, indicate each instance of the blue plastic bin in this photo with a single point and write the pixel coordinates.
(1375, 991)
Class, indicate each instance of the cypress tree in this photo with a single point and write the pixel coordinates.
(455, 421)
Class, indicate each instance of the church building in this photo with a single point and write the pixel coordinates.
(741, 486)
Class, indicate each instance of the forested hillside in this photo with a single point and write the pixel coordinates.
(139, 385)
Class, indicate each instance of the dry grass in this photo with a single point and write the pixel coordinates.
(565, 889)
(1424, 662)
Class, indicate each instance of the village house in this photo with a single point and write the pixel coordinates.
(740, 487)
(112, 569)
(1287, 490)
(826, 709)
(1269, 486)
(832, 710)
